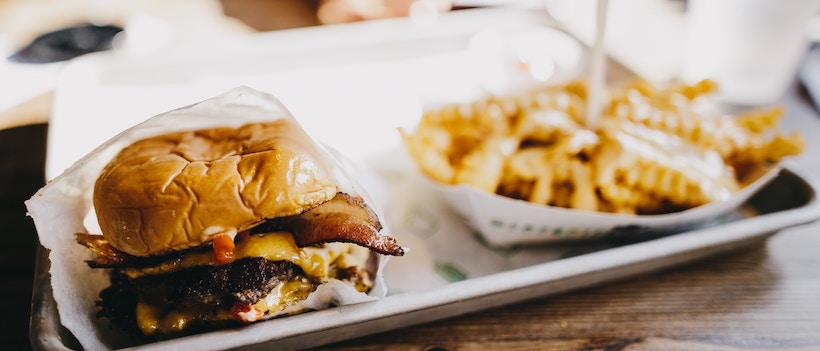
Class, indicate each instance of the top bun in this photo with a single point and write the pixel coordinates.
(178, 190)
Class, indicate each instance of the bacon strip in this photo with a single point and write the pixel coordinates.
(344, 219)
(106, 255)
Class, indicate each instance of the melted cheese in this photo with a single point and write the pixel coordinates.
(318, 263)
(283, 296)
(278, 246)
(154, 317)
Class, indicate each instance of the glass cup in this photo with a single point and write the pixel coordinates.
(751, 48)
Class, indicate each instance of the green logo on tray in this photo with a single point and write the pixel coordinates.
(449, 272)
(543, 230)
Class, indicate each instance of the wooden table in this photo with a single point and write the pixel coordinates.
(763, 297)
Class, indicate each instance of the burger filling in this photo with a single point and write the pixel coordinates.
(264, 271)
(196, 297)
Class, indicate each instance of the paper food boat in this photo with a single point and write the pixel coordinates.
(505, 221)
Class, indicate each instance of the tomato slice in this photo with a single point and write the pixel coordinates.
(223, 249)
(245, 313)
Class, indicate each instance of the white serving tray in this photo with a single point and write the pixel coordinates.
(372, 77)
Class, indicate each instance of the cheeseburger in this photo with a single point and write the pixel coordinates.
(223, 226)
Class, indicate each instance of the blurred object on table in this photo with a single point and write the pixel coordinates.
(644, 35)
(268, 15)
(21, 21)
(666, 40)
(150, 25)
(342, 11)
(810, 74)
(751, 48)
(67, 43)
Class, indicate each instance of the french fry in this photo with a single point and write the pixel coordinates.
(655, 150)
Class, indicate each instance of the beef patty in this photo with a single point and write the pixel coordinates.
(243, 281)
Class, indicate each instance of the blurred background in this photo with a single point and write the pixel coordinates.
(653, 38)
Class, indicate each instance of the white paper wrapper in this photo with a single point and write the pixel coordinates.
(504, 221)
(59, 210)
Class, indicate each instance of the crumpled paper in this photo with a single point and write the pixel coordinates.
(60, 208)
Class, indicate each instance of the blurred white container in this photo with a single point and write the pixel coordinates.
(751, 48)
